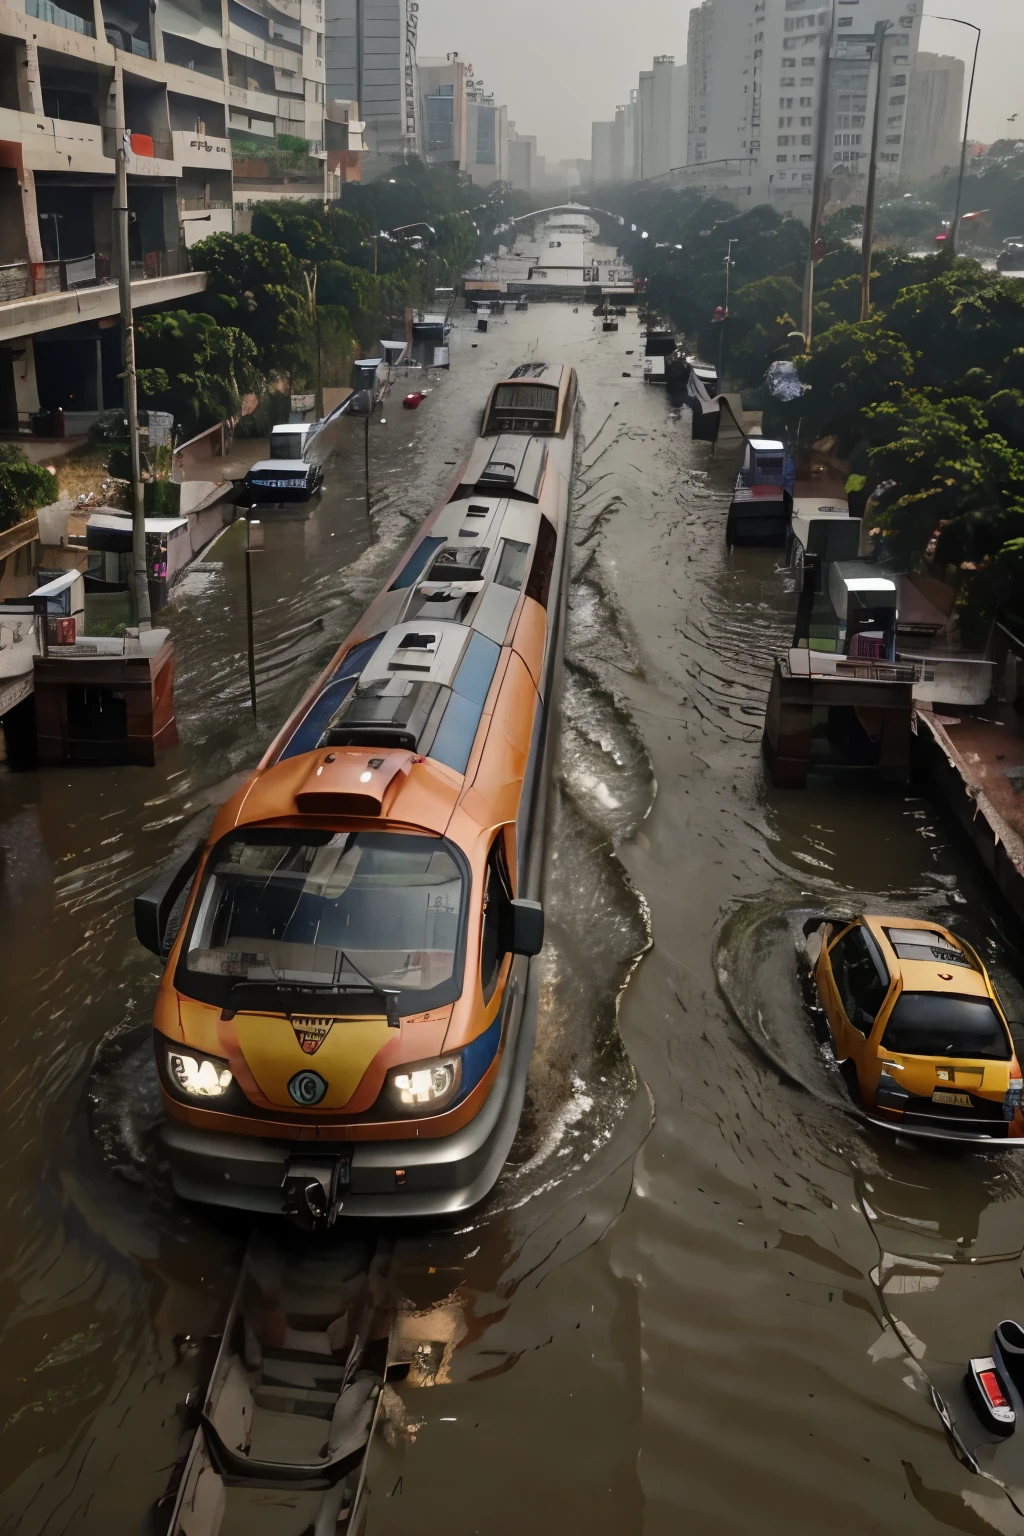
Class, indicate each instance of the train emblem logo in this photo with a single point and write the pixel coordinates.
(311, 1033)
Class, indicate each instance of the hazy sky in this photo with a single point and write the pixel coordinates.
(561, 63)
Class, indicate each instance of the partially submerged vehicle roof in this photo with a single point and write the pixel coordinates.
(293, 466)
(927, 957)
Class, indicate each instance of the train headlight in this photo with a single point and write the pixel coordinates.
(198, 1076)
(424, 1087)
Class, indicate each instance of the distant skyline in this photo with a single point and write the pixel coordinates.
(559, 64)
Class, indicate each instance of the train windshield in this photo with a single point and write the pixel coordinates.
(284, 910)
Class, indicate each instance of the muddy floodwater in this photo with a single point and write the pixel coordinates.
(703, 1296)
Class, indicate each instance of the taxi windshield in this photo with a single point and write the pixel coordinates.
(932, 1024)
(338, 912)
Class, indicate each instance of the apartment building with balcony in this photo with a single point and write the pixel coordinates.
(199, 85)
(761, 71)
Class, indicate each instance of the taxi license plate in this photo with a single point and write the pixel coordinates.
(944, 1096)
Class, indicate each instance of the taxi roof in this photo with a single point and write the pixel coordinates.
(928, 975)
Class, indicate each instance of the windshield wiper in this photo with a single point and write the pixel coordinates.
(365, 984)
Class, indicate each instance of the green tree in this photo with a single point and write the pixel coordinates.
(258, 286)
(961, 317)
(194, 368)
(954, 490)
(23, 486)
(852, 369)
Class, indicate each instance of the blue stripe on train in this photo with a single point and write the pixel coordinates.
(337, 688)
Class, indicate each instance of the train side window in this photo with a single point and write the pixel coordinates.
(512, 564)
(497, 918)
(861, 978)
(539, 584)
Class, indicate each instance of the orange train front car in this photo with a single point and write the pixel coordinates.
(342, 1024)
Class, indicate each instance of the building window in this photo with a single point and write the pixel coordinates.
(785, 101)
(807, 122)
(486, 137)
(781, 159)
(808, 63)
(805, 138)
(892, 138)
(807, 101)
(897, 101)
(845, 21)
(898, 80)
(805, 158)
(441, 123)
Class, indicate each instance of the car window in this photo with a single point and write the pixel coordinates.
(933, 1024)
(860, 977)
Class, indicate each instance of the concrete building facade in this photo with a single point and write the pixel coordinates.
(444, 100)
(757, 76)
(486, 140)
(370, 57)
(602, 153)
(935, 108)
(68, 77)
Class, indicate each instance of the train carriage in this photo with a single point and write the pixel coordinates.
(341, 1025)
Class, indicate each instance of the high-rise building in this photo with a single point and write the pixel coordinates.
(931, 144)
(602, 153)
(624, 149)
(443, 110)
(371, 59)
(660, 119)
(720, 66)
(758, 72)
(486, 140)
(521, 152)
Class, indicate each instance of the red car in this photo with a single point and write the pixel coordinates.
(413, 399)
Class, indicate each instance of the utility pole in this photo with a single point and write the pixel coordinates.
(366, 447)
(881, 28)
(820, 182)
(954, 228)
(140, 563)
(734, 240)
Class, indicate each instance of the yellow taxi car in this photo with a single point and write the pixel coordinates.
(912, 1010)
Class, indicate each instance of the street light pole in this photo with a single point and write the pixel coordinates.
(955, 226)
(733, 240)
(867, 241)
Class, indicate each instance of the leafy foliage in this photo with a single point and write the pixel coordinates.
(23, 486)
(194, 368)
(258, 287)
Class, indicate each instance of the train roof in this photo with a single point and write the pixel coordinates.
(402, 708)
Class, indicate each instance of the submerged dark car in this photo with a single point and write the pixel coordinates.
(277, 480)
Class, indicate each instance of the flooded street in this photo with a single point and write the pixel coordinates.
(702, 1291)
